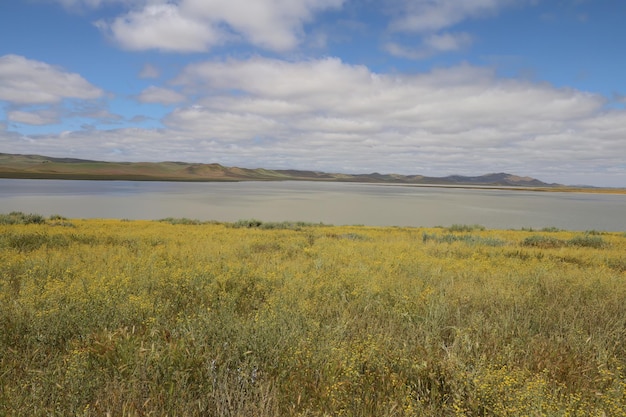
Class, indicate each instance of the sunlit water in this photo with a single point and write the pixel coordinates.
(332, 203)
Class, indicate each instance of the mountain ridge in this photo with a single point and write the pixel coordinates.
(44, 167)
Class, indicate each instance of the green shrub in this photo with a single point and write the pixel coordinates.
(26, 242)
(286, 225)
(17, 217)
(246, 223)
(618, 264)
(587, 241)
(353, 236)
(548, 242)
(57, 217)
(543, 242)
(465, 227)
(594, 232)
(467, 239)
(181, 220)
(551, 229)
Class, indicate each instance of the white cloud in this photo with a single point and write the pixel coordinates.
(431, 45)
(327, 115)
(160, 95)
(25, 81)
(161, 27)
(448, 41)
(272, 24)
(222, 126)
(326, 80)
(401, 51)
(149, 71)
(102, 115)
(38, 118)
(74, 4)
(199, 25)
(434, 15)
(461, 119)
(329, 85)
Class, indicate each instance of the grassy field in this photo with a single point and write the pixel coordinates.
(184, 318)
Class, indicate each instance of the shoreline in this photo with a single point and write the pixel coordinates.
(148, 178)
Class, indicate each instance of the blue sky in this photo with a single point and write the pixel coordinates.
(431, 87)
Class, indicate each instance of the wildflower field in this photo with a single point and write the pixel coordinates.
(185, 318)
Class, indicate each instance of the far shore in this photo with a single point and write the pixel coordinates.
(143, 178)
(565, 189)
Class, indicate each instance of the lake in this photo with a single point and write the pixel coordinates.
(332, 203)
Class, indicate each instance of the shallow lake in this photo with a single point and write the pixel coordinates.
(332, 203)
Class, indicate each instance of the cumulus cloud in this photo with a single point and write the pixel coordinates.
(431, 45)
(460, 119)
(160, 95)
(25, 81)
(448, 41)
(149, 71)
(326, 80)
(40, 94)
(72, 4)
(432, 16)
(199, 25)
(38, 118)
(161, 27)
(222, 126)
(331, 86)
(328, 115)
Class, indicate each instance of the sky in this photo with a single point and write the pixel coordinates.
(430, 87)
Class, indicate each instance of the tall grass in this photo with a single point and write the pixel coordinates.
(172, 318)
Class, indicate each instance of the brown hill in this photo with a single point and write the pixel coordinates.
(37, 166)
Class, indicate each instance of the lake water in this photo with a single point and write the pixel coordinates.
(332, 203)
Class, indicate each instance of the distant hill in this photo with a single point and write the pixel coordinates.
(44, 167)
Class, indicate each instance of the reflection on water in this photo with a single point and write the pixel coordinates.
(333, 203)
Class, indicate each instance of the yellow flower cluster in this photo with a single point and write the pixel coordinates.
(130, 318)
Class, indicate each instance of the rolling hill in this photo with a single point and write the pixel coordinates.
(44, 167)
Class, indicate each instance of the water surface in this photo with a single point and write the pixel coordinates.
(332, 203)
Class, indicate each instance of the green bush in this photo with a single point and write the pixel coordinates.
(258, 224)
(587, 241)
(618, 264)
(17, 217)
(551, 229)
(465, 227)
(57, 217)
(543, 242)
(549, 242)
(26, 242)
(182, 220)
(246, 223)
(467, 239)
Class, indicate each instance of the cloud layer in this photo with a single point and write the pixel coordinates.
(199, 25)
(25, 81)
(328, 115)
(295, 112)
(430, 16)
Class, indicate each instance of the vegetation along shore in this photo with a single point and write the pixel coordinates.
(182, 317)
